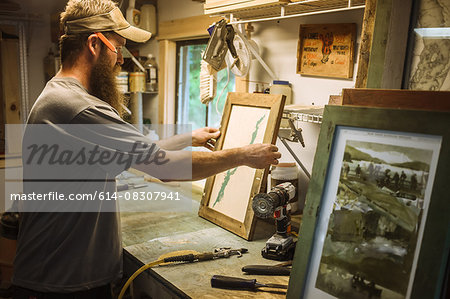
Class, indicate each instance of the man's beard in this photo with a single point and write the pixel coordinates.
(103, 83)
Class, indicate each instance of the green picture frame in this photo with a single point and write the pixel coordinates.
(429, 252)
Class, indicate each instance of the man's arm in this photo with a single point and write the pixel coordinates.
(199, 137)
(186, 166)
(205, 164)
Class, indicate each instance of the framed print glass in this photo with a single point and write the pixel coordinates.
(376, 220)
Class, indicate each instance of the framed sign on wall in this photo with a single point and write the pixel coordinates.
(326, 50)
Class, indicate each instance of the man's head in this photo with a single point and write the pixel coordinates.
(81, 18)
(94, 32)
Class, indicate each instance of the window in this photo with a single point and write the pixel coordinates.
(189, 109)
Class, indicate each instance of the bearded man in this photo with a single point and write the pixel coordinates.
(78, 253)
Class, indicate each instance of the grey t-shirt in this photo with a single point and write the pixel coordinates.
(73, 251)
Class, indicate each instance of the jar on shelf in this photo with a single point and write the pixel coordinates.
(137, 82)
(122, 82)
(282, 87)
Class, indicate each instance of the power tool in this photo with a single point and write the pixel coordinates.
(275, 204)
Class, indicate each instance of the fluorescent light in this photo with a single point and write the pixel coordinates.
(442, 32)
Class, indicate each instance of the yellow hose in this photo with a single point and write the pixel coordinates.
(135, 274)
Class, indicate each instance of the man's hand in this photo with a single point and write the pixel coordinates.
(261, 155)
(205, 137)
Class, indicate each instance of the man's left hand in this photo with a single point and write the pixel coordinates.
(205, 137)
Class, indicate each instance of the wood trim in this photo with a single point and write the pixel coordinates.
(366, 43)
(396, 47)
(383, 44)
(10, 66)
(186, 28)
(169, 33)
(167, 81)
(3, 109)
(10, 90)
(401, 99)
(379, 41)
(241, 84)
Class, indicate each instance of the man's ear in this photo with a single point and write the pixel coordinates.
(93, 44)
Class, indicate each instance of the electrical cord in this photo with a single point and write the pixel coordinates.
(224, 252)
(171, 259)
(135, 274)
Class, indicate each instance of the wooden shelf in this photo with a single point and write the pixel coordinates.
(145, 92)
(280, 10)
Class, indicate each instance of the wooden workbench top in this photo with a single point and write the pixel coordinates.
(147, 236)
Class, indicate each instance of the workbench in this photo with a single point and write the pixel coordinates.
(148, 235)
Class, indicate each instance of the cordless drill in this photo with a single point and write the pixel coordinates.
(275, 204)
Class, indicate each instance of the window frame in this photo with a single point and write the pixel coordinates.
(180, 44)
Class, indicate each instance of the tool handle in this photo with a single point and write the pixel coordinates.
(205, 256)
(266, 270)
(227, 282)
(180, 258)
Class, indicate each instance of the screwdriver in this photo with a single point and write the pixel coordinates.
(236, 283)
(266, 270)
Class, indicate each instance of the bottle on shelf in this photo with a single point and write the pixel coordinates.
(148, 18)
(151, 70)
(133, 15)
(122, 81)
(282, 87)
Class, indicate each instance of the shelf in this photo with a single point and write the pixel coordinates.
(309, 114)
(289, 10)
(145, 92)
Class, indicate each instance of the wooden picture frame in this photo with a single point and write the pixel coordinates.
(326, 50)
(414, 261)
(397, 98)
(247, 118)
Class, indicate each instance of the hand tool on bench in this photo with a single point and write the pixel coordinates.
(223, 252)
(282, 269)
(266, 270)
(236, 283)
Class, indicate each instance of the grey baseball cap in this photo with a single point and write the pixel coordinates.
(111, 21)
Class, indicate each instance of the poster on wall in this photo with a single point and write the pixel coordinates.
(326, 50)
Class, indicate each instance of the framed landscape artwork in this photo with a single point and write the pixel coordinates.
(247, 119)
(376, 220)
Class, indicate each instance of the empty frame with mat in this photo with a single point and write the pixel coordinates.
(247, 119)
